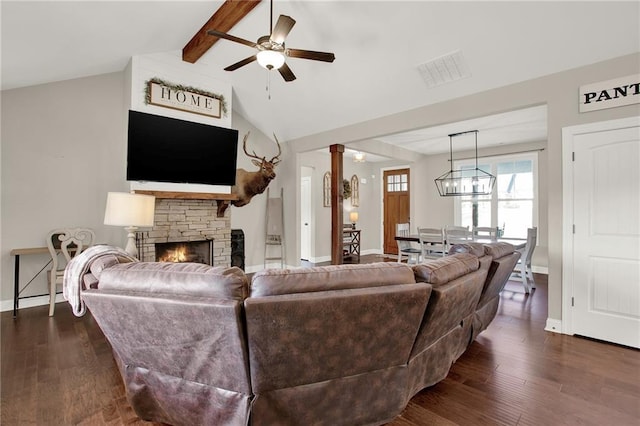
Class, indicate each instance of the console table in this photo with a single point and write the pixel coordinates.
(16, 273)
(351, 244)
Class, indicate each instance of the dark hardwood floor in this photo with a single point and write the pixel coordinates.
(60, 371)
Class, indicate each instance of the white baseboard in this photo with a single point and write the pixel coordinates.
(540, 269)
(257, 268)
(553, 325)
(371, 251)
(320, 259)
(7, 305)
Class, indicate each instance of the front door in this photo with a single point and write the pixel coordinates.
(396, 205)
(606, 239)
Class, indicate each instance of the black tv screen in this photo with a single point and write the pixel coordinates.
(163, 149)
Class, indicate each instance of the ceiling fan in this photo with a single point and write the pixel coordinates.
(271, 49)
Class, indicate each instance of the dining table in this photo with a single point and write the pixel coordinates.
(518, 243)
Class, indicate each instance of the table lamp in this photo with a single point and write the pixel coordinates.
(131, 211)
(353, 217)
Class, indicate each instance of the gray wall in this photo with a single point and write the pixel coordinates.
(80, 124)
(558, 91)
(368, 210)
(62, 150)
(429, 209)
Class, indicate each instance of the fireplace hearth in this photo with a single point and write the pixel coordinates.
(185, 251)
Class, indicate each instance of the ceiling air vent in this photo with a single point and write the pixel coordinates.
(444, 69)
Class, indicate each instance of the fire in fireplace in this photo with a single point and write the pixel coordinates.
(185, 251)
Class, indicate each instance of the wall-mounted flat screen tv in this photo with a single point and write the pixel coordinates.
(163, 149)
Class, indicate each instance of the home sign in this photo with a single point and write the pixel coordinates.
(610, 93)
(183, 99)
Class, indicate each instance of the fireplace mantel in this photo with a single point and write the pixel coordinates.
(222, 199)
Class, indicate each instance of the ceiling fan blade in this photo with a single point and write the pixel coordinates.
(282, 28)
(232, 38)
(241, 63)
(286, 72)
(310, 54)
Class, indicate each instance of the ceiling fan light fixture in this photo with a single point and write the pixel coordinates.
(270, 59)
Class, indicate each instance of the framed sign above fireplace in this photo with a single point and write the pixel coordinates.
(184, 98)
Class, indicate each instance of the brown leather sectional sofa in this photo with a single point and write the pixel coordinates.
(334, 345)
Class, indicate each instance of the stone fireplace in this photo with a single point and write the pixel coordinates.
(186, 220)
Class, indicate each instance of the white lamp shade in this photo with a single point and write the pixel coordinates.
(270, 59)
(126, 209)
(353, 217)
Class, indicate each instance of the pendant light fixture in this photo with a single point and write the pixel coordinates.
(466, 181)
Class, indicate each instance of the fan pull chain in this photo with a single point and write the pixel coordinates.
(268, 85)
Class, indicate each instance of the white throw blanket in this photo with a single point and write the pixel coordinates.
(76, 269)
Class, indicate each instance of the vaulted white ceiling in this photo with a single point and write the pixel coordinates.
(378, 47)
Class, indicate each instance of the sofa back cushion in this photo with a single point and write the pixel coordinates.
(335, 277)
(315, 337)
(443, 270)
(174, 323)
(187, 279)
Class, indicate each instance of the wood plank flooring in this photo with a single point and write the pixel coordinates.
(60, 371)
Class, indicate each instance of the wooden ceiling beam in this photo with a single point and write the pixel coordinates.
(228, 15)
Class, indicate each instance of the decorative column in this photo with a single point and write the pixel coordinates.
(336, 203)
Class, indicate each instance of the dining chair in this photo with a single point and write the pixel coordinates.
(70, 242)
(522, 270)
(484, 233)
(406, 248)
(432, 242)
(456, 235)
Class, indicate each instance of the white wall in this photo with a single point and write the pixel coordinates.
(170, 68)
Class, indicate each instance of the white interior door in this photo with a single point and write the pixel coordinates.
(305, 218)
(606, 237)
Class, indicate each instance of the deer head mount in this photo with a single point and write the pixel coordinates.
(248, 183)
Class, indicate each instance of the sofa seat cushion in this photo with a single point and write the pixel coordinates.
(335, 277)
(192, 279)
(443, 270)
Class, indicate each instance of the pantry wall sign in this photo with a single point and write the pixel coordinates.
(610, 93)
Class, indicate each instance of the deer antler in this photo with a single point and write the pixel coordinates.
(244, 147)
(273, 160)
